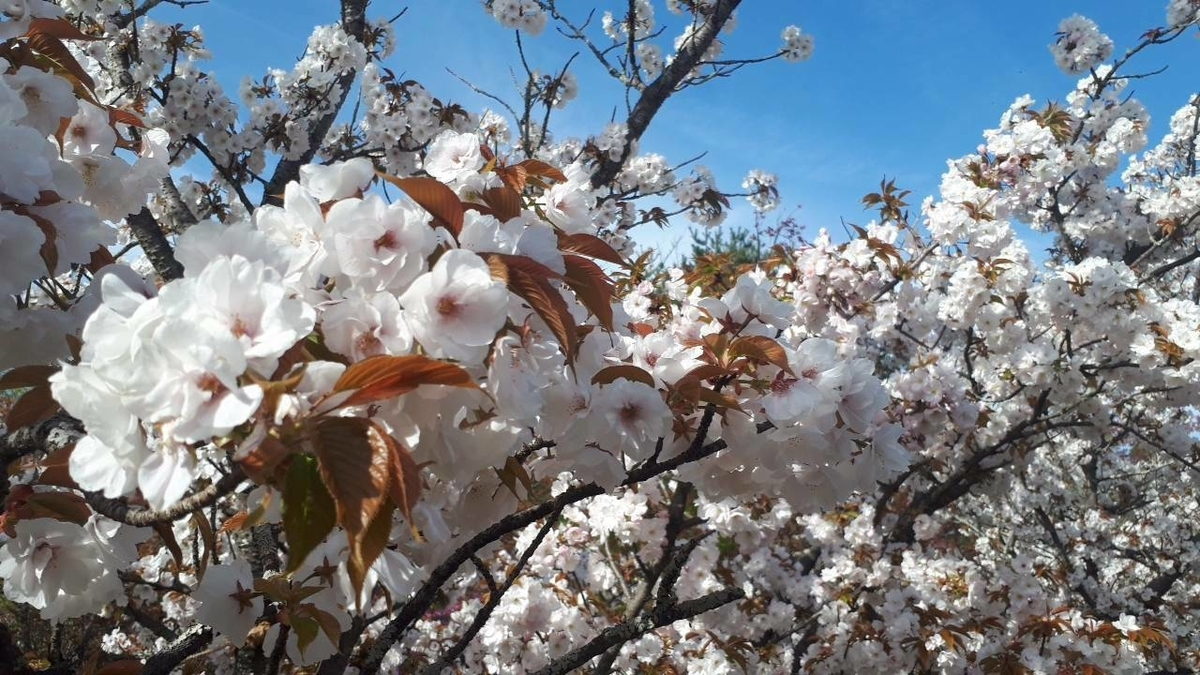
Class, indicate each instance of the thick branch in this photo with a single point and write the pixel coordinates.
(189, 644)
(667, 83)
(354, 22)
(152, 240)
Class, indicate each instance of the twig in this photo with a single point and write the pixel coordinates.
(631, 630)
(120, 510)
(493, 601)
(354, 23)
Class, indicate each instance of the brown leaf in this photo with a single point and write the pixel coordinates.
(235, 522)
(590, 245)
(57, 28)
(719, 399)
(65, 506)
(504, 202)
(354, 461)
(513, 177)
(592, 288)
(119, 116)
(536, 167)
(34, 406)
(374, 540)
(27, 376)
(99, 259)
(625, 371)
(641, 329)
(262, 463)
(404, 488)
(761, 349)
(380, 378)
(48, 249)
(329, 624)
(435, 197)
(530, 280)
(513, 474)
(52, 48)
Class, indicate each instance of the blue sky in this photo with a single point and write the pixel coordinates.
(895, 87)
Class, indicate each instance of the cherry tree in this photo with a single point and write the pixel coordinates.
(383, 390)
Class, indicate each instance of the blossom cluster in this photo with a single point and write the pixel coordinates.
(62, 185)
(924, 448)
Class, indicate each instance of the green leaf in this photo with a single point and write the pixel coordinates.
(306, 629)
(308, 510)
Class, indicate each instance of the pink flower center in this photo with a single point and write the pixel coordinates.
(782, 384)
(210, 383)
(630, 413)
(388, 241)
(240, 328)
(449, 306)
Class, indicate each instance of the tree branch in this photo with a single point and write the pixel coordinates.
(631, 630)
(354, 22)
(658, 91)
(493, 601)
(189, 644)
(120, 510)
(152, 240)
(424, 596)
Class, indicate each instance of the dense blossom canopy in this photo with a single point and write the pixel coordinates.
(396, 393)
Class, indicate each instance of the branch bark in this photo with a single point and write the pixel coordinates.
(666, 84)
(189, 644)
(424, 596)
(121, 511)
(631, 630)
(152, 240)
(354, 22)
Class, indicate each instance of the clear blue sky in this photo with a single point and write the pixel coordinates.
(895, 87)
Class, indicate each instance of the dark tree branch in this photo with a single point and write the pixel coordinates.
(123, 20)
(493, 601)
(354, 22)
(189, 644)
(631, 630)
(666, 84)
(149, 622)
(152, 240)
(120, 510)
(425, 596)
(675, 525)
